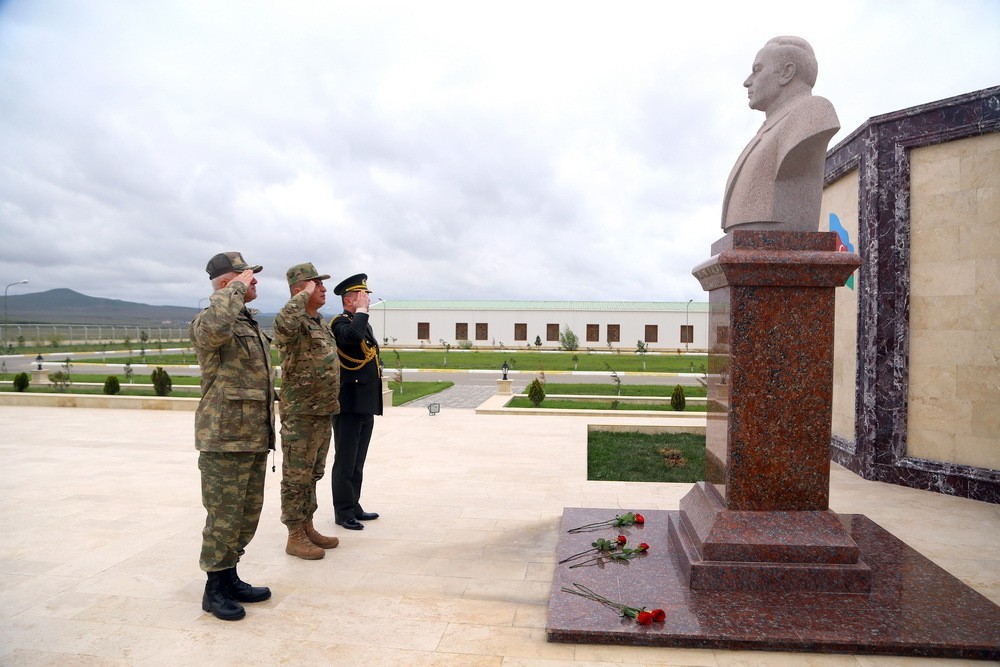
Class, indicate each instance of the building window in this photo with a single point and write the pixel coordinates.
(614, 333)
(593, 333)
(462, 331)
(482, 331)
(552, 333)
(423, 330)
(520, 331)
(651, 333)
(687, 333)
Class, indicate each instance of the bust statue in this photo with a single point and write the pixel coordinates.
(777, 182)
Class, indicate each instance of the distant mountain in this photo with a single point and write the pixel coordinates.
(64, 306)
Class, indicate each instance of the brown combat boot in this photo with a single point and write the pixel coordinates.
(299, 545)
(322, 541)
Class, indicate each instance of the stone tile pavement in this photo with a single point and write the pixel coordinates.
(100, 525)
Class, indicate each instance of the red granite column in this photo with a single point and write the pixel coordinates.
(770, 390)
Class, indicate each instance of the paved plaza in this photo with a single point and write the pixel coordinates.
(101, 521)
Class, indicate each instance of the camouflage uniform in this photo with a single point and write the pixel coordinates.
(234, 424)
(310, 387)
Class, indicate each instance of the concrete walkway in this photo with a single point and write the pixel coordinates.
(101, 521)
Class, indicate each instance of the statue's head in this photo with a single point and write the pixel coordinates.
(786, 67)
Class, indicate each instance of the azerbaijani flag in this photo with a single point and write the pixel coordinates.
(845, 242)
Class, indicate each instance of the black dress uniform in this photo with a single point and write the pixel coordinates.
(360, 401)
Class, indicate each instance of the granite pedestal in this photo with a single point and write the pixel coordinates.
(754, 558)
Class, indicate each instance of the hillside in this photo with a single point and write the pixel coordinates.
(64, 306)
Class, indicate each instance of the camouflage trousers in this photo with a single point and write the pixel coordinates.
(232, 491)
(305, 441)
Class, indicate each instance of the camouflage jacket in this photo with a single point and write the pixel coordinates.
(236, 411)
(310, 373)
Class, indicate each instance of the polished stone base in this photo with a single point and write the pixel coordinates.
(720, 549)
(914, 608)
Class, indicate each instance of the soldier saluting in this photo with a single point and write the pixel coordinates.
(234, 430)
(310, 389)
(360, 400)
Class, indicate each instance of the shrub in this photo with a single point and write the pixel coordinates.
(21, 382)
(568, 340)
(112, 386)
(60, 380)
(161, 381)
(677, 401)
(536, 393)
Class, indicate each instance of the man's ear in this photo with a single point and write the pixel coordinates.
(787, 73)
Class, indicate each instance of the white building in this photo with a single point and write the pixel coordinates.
(597, 324)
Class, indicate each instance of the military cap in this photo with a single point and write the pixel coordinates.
(358, 283)
(301, 272)
(229, 262)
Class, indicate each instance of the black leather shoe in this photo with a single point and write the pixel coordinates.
(350, 524)
(366, 516)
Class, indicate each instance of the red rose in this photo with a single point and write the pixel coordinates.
(643, 547)
(644, 618)
(658, 615)
(621, 540)
(639, 518)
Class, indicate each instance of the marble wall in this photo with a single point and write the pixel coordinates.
(954, 387)
(928, 344)
(839, 213)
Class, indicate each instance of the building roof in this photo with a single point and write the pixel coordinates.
(627, 306)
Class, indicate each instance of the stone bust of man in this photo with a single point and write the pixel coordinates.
(777, 182)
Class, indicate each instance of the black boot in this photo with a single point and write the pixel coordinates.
(217, 600)
(240, 590)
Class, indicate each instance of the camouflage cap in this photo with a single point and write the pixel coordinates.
(301, 272)
(229, 262)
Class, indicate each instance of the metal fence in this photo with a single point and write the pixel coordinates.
(54, 335)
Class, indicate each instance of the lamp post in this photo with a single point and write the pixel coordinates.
(687, 320)
(504, 369)
(385, 336)
(19, 282)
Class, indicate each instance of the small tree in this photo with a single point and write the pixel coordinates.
(614, 378)
(446, 346)
(641, 349)
(568, 340)
(60, 380)
(66, 365)
(677, 401)
(112, 386)
(21, 382)
(538, 341)
(536, 393)
(128, 371)
(399, 369)
(143, 340)
(576, 362)
(128, 343)
(161, 381)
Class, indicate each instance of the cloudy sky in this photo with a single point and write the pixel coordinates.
(467, 150)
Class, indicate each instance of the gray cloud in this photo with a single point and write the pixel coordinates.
(451, 150)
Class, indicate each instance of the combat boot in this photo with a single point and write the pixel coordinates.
(241, 591)
(217, 600)
(299, 545)
(322, 541)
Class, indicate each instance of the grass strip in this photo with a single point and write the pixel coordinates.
(640, 457)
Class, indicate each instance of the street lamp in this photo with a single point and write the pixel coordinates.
(687, 320)
(504, 369)
(385, 336)
(19, 282)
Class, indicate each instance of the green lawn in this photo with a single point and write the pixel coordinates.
(524, 361)
(642, 457)
(414, 390)
(572, 404)
(609, 389)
